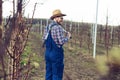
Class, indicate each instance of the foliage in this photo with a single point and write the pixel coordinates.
(101, 64)
(109, 66)
(114, 56)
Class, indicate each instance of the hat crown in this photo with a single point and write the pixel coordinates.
(57, 11)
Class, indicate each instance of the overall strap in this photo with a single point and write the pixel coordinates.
(49, 27)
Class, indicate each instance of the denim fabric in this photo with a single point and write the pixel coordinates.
(54, 57)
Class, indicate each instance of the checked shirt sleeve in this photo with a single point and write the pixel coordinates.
(58, 35)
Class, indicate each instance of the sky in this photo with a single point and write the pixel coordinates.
(76, 10)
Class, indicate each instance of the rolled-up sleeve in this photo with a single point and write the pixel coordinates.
(58, 35)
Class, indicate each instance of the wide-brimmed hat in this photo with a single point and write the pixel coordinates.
(57, 13)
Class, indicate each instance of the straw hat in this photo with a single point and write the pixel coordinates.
(57, 13)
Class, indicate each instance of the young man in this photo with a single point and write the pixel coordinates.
(54, 38)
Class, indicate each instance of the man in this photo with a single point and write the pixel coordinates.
(54, 40)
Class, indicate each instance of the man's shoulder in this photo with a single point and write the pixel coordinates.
(53, 24)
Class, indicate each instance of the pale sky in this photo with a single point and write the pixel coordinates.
(76, 10)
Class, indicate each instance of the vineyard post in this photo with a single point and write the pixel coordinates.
(93, 33)
(94, 48)
(41, 26)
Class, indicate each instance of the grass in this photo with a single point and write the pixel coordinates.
(79, 63)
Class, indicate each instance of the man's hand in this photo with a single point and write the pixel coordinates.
(69, 35)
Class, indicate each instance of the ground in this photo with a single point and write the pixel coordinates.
(78, 66)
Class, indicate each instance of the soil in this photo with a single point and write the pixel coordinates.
(78, 66)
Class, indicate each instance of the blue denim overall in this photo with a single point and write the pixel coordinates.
(54, 57)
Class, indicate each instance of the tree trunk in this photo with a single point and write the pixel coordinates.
(0, 12)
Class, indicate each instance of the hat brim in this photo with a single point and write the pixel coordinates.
(57, 15)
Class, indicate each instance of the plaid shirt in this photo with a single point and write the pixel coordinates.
(57, 33)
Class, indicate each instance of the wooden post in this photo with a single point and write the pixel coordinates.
(0, 12)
